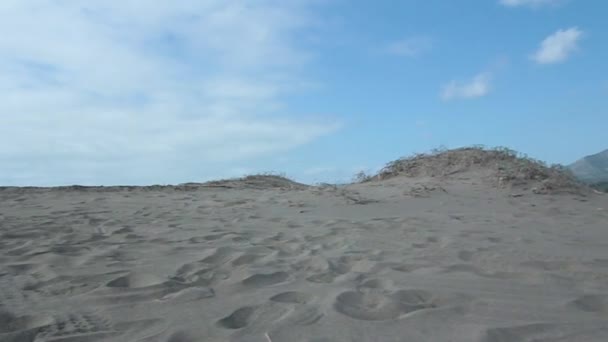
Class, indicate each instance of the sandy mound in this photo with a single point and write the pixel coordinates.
(258, 182)
(500, 167)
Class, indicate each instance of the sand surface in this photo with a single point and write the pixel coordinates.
(397, 260)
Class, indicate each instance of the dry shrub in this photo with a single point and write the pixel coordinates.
(267, 180)
(362, 177)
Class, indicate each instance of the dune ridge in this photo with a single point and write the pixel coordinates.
(461, 245)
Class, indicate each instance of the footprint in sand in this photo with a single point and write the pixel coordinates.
(592, 303)
(375, 284)
(189, 295)
(240, 318)
(466, 268)
(305, 316)
(9, 322)
(292, 297)
(123, 230)
(600, 262)
(546, 265)
(219, 256)
(432, 239)
(312, 264)
(78, 326)
(246, 259)
(465, 255)
(373, 306)
(408, 267)
(239, 239)
(344, 264)
(198, 239)
(24, 269)
(198, 273)
(266, 279)
(67, 286)
(139, 330)
(547, 332)
(322, 278)
(136, 280)
(181, 336)
(214, 237)
(89, 327)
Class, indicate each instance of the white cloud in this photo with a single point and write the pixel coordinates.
(478, 86)
(529, 3)
(410, 47)
(134, 91)
(558, 47)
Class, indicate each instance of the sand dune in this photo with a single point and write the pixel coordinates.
(402, 259)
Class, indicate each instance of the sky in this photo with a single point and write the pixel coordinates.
(166, 92)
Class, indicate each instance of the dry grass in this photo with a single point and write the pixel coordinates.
(267, 180)
(362, 177)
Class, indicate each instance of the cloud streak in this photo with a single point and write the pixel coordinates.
(529, 3)
(134, 92)
(476, 87)
(558, 47)
(410, 47)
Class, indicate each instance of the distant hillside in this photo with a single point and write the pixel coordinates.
(602, 186)
(592, 169)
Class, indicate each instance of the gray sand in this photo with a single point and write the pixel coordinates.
(397, 260)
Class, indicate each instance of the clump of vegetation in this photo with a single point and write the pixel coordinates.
(266, 180)
(504, 166)
(361, 177)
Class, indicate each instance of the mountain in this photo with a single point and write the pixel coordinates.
(592, 169)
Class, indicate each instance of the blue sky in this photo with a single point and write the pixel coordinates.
(134, 92)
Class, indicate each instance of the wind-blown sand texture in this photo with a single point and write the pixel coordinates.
(403, 259)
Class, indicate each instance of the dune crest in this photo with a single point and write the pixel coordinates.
(463, 245)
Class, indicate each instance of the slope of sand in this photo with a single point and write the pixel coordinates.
(396, 260)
